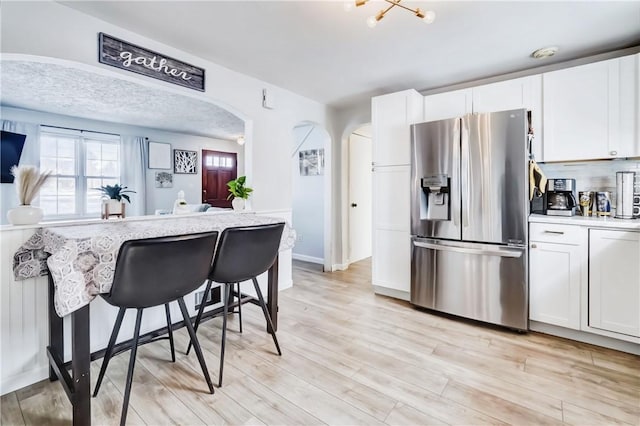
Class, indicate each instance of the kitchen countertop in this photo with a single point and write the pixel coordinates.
(592, 221)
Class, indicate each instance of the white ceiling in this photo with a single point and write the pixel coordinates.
(318, 50)
(77, 93)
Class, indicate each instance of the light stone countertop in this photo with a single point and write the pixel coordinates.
(589, 221)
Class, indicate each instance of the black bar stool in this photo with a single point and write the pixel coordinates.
(153, 272)
(242, 254)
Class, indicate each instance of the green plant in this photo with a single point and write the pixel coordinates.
(116, 192)
(237, 188)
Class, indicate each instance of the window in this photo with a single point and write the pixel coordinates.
(81, 161)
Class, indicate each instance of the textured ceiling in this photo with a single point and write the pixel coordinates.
(316, 49)
(79, 93)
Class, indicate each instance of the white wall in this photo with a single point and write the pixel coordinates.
(156, 198)
(74, 37)
(308, 197)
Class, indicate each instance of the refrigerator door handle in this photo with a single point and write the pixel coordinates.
(486, 252)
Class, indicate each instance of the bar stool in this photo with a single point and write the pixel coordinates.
(153, 272)
(242, 254)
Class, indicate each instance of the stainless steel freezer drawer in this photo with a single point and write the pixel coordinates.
(479, 281)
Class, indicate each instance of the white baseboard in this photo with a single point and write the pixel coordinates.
(22, 380)
(392, 292)
(581, 336)
(306, 258)
(339, 267)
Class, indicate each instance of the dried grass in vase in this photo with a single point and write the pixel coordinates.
(28, 182)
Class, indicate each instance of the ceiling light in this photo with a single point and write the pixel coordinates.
(545, 52)
(427, 16)
(240, 140)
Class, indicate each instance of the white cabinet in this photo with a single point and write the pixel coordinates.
(447, 105)
(556, 264)
(614, 281)
(391, 259)
(591, 111)
(391, 116)
(518, 93)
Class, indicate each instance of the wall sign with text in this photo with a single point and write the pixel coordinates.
(127, 56)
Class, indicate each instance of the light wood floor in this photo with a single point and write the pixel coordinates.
(350, 357)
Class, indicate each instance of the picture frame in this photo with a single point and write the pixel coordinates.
(185, 162)
(159, 155)
(164, 180)
(311, 162)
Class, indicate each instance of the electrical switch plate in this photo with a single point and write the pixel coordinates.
(268, 100)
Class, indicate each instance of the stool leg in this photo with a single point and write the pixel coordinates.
(240, 307)
(170, 328)
(132, 363)
(227, 289)
(109, 352)
(200, 311)
(194, 340)
(266, 314)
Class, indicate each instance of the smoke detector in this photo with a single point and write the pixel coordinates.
(545, 52)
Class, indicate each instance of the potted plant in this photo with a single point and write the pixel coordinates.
(28, 180)
(239, 192)
(113, 195)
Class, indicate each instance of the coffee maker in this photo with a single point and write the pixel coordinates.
(561, 197)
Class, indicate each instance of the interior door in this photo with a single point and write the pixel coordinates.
(218, 168)
(360, 190)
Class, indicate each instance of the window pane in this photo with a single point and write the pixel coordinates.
(110, 151)
(66, 166)
(216, 161)
(93, 168)
(47, 163)
(66, 148)
(48, 146)
(93, 150)
(110, 168)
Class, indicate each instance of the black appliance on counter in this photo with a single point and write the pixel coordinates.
(560, 198)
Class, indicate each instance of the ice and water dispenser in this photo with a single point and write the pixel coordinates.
(435, 204)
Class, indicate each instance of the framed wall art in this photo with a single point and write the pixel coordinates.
(312, 162)
(164, 180)
(185, 162)
(159, 155)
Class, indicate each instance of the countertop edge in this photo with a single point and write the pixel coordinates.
(592, 222)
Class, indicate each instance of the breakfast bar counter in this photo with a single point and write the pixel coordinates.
(81, 256)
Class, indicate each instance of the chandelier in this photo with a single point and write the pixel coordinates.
(427, 16)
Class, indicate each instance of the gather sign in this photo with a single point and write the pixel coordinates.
(127, 56)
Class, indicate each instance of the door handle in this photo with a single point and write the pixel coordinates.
(467, 250)
(354, 205)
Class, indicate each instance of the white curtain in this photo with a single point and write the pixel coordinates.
(30, 155)
(133, 154)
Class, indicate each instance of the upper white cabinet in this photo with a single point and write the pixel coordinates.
(518, 93)
(391, 116)
(591, 111)
(614, 281)
(447, 105)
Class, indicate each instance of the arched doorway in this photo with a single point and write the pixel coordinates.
(310, 193)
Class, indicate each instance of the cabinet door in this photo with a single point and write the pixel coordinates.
(627, 143)
(555, 272)
(518, 93)
(614, 281)
(581, 112)
(447, 105)
(391, 116)
(391, 257)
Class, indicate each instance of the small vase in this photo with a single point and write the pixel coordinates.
(238, 204)
(25, 215)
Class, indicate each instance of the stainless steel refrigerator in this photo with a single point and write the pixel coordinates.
(469, 208)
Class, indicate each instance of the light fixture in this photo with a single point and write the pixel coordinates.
(240, 140)
(544, 52)
(427, 16)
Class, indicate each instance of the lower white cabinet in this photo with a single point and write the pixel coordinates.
(391, 254)
(614, 281)
(557, 257)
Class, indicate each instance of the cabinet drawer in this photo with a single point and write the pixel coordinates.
(554, 233)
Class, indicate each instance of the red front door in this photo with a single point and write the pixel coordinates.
(218, 168)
